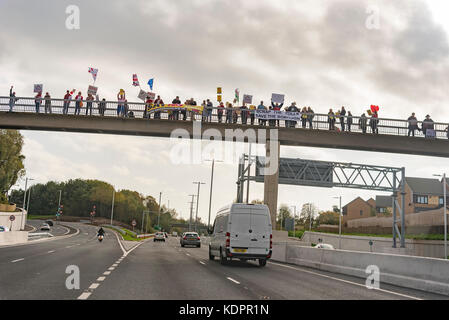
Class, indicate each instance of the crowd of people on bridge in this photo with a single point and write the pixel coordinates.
(229, 113)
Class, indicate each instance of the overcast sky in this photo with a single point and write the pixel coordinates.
(318, 53)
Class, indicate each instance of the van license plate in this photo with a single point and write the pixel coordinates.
(239, 250)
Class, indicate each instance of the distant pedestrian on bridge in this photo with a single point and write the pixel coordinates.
(78, 103)
(310, 116)
(427, 125)
(262, 107)
(331, 119)
(277, 107)
(47, 99)
(89, 101)
(12, 99)
(342, 118)
(228, 112)
(349, 121)
(373, 122)
(102, 107)
(121, 96)
(244, 113)
(67, 98)
(412, 125)
(176, 111)
(209, 107)
(252, 114)
(303, 117)
(158, 103)
(220, 112)
(38, 101)
(362, 122)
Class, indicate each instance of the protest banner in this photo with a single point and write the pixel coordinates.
(38, 87)
(247, 98)
(277, 115)
(142, 95)
(277, 98)
(92, 90)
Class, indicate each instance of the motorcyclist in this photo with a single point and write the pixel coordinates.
(100, 232)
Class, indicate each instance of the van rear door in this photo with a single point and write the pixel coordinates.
(259, 231)
(239, 230)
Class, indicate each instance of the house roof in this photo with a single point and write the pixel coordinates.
(356, 200)
(425, 186)
(384, 201)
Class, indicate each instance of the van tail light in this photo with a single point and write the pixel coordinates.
(271, 241)
(228, 240)
(198, 238)
(185, 238)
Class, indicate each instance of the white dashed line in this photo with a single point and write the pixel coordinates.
(84, 295)
(235, 281)
(187, 254)
(111, 268)
(101, 279)
(51, 251)
(69, 247)
(202, 262)
(17, 260)
(106, 273)
(94, 286)
(115, 265)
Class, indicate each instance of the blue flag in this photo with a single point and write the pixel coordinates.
(150, 83)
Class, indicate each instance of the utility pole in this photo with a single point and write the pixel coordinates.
(197, 204)
(28, 203)
(310, 216)
(159, 215)
(445, 212)
(191, 211)
(248, 175)
(24, 200)
(112, 209)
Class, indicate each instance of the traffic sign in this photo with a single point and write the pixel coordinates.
(12, 218)
(133, 223)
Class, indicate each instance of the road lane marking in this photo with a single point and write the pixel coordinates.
(187, 254)
(106, 273)
(84, 295)
(111, 268)
(51, 251)
(202, 262)
(94, 286)
(17, 260)
(345, 281)
(230, 279)
(101, 278)
(115, 265)
(69, 247)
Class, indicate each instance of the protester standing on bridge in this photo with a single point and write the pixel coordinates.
(126, 109)
(78, 103)
(412, 125)
(292, 108)
(65, 108)
(176, 111)
(304, 117)
(121, 100)
(209, 107)
(89, 101)
(447, 131)
(427, 124)
(262, 107)
(12, 99)
(220, 112)
(277, 107)
(373, 122)
(362, 122)
(236, 112)
(310, 117)
(38, 101)
(47, 99)
(204, 113)
(244, 113)
(252, 113)
(349, 121)
(342, 113)
(158, 103)
(192, 113)
(102, 107)
(228, 113)
(331, 119)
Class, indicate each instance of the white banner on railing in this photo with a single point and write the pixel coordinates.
(278, 115)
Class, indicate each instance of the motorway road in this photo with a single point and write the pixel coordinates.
(56, 230)
(166, 271)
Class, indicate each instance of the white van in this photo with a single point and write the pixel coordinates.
(242, 231)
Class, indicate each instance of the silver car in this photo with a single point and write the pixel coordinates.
(190, 239)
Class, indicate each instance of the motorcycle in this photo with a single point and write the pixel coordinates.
(100, 237)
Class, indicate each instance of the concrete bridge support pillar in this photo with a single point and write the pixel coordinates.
(271, 181)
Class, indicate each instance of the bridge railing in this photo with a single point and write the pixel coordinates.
(318, 121)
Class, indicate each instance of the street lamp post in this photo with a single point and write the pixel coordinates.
(159, 215)
(211, 185)
(294, 220)
(445, 213)
(191, 210)
(339, 223)
(112, 208)
(197, 204)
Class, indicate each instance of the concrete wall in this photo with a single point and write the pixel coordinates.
(13, 237)
(427, 274)
(428, 218)
(17, 224)
(421, 248)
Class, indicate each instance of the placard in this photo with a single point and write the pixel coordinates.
(277, 98)
(143, 95)
(38, 87)
(92, 90)
(247, 98)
